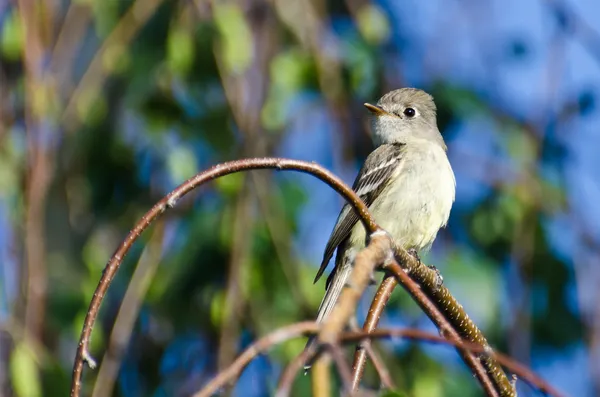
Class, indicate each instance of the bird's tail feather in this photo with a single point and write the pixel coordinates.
(334, 289)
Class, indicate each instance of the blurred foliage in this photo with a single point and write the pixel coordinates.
(130, 98)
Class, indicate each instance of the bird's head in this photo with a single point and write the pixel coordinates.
(405, 115)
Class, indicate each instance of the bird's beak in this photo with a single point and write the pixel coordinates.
(376, 110)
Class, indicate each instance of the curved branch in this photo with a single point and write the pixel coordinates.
(170, 201)
(380, 300)
(131, 304)
(379, 252)
(311, 328)
(446, 329)
(423, 284)
(289, 373)
(515, 367)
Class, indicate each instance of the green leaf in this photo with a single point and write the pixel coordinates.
(106, 16)
(474, 275)
(24, 372)
(181, 163)
(520, 146)
(429, 385)
(116, 59)
(373, 23)
(230, 185)
(217, 308)
(11, 39)
(236, 37)
(289, 70)
(91, 107)
(180, 50)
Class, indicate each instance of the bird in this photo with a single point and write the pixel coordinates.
(406, 181)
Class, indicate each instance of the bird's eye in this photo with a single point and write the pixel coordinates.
(409, 112)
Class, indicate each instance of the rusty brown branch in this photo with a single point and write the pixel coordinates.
(310, 328)
(380, 367)
(39, 170)
(373, 255)
(128, 313)
(289, 373)
(446, 328)
(271, 339)
(170, 201)
(522, 372)
(234, 303)
(380, 300)
(123, 33)
(378, 252)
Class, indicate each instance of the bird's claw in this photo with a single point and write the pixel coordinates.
(415, 254)
(439, 279)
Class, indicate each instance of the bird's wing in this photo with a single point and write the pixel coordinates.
(370, 182)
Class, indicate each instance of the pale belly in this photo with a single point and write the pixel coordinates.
(417, 204)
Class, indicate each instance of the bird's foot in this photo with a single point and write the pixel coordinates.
(415, 254)
(439, 280)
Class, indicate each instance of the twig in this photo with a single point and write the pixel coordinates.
(310, 328)
(321, 380)
(515, 367)
(170, 201)
(289, 373)
(374, 254)
(271, 339)
(342, 366)
(240, 249)
(428, 285)
(40, 169)
(380, 300)
(125, 30)
(380, 367)
(128, 312)
(446, 328)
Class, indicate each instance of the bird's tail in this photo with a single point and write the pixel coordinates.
(334, 289)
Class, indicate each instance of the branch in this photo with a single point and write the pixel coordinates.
(122, 329)
(374, 254)
(380, 300)
(378, 251)
(490, 383)
(515, 367)
(311, 328)
(169, 201)
(447, 314)
(289, 373)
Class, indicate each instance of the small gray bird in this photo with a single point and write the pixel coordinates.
(406, 182)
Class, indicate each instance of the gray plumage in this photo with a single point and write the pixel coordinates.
(407, 182)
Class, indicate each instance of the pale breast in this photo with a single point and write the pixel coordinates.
(418, 202)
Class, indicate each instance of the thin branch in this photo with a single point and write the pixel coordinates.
(121, 36)
(380, 367)
(440, 320)
(380, 300)
(321, 379)
(128, 313)
(39, 172)
(281, 335)
(289, 373)
(374, 254)
(522, 371)
(169, 201)
(234, 302)
(311, 328)
(378, 252)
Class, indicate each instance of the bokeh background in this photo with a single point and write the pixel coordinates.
(107, 105)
